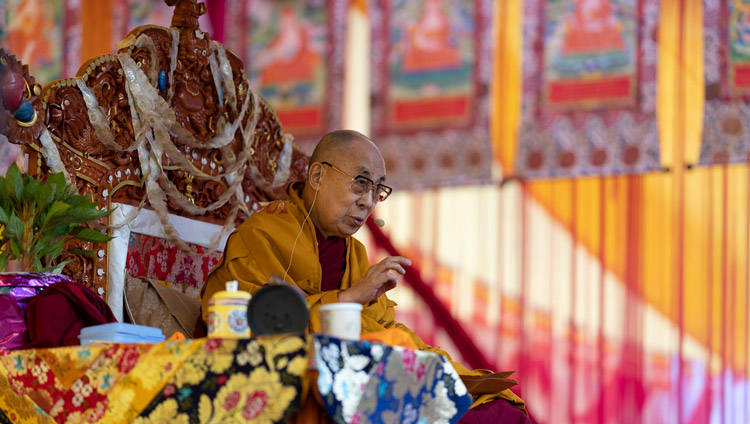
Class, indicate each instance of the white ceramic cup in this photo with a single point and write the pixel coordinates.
(342, 320)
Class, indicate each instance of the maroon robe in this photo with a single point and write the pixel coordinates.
(332, 258)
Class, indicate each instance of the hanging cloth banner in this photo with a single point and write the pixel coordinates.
(589, 88)
(726, 53)
(294, 54)
(430, 85)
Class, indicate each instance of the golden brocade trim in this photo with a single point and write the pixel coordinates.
(19, 408)
(154, 370)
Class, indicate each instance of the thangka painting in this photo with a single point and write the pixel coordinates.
(430, 85)
(726, 52)
(589, 88)
(294, 55)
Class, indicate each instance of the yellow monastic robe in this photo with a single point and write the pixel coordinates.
(262, 247)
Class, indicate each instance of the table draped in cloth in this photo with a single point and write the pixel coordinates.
(260, 380)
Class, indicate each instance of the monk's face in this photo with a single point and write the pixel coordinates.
(339, 211)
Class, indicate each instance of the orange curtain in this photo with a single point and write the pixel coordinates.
(679, 239)
(663, 198)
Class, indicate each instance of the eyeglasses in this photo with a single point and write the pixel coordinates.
(362, 185)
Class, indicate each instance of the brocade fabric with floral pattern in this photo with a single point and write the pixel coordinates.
(257, 380)
(235, 381)
(363, 382)
(160, 259)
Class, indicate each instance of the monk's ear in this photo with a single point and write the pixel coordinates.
(315, 177)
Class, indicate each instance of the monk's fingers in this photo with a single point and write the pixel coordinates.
(400, 269)
(400, 260)
(385, 277)
(395, 263)
(391, 278)
(391, 283)
(388, 285)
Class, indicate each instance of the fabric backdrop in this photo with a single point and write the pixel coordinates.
(430, 74)
(589, 88)
(726, 55)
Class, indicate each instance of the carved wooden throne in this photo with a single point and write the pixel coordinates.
(169, 127)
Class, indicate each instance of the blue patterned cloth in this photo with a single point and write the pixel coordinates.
(366, 382)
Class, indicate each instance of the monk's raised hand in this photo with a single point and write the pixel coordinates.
(377, 280)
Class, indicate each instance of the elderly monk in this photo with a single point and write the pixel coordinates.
(308, 241)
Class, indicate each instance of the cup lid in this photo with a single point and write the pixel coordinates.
(341, 306)
(278, 309)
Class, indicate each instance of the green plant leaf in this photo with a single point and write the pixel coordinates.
(38, 267)
(79, 252)
(14, 228)
(51, 235)
(53, 250)
(58, 185)
(45, 196)
(58, 208)
(58, 180)
(56, 269)
(76, 200)
(3, 216)
(14, 182)
(89, 234)
(3, 190)
(75, 215)
(60, 230)
(15, 249)
(3, 261)
(31, 187)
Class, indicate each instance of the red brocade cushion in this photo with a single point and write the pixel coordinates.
(159, 259)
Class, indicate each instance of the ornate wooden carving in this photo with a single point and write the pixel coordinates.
(113, 173)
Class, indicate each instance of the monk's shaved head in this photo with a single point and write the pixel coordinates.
(337, 143)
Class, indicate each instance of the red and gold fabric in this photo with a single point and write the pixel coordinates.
(159, 259)
(198, 381)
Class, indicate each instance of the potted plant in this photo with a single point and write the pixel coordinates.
(37, 215)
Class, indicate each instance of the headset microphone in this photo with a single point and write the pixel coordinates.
(379, 222)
